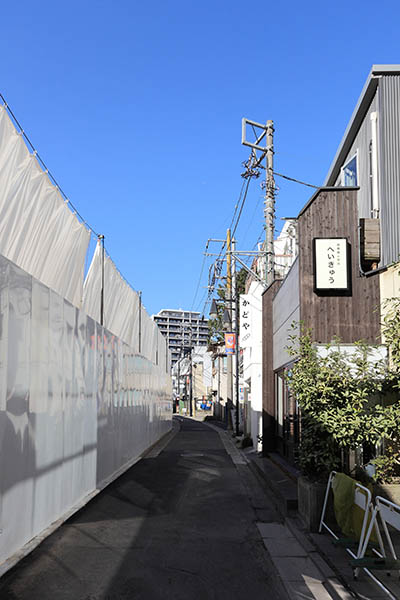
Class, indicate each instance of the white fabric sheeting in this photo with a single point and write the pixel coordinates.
(121, 310)
(76, 408)
(38, 231)
(147, 348)
(121, 302)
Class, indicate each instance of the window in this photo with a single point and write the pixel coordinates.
(349, 172)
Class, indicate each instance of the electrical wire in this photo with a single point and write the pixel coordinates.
(237, 204)
(201, 274)
(316, 187)
(233, 227)
(241, 208)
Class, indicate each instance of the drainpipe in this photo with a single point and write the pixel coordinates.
(375, 188)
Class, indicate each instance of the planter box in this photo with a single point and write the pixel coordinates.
(310, 501)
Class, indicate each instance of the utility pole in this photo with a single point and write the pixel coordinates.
(229, 373)
(140, 322)
(179, 383)
(269, 211)
(235, 327)
(191, 383)
(219, 385)
(101, 240)
(267, 151)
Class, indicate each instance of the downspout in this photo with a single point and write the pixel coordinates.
(375, 188)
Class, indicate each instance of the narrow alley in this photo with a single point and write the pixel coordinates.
(180, 524)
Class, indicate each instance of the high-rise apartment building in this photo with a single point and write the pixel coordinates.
(183, 329)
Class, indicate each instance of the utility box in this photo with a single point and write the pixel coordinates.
(370, 241)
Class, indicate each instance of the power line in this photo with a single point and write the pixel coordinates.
(233, 227)
(201, 274)
(237, 203)
(241, 208)
(316, 187)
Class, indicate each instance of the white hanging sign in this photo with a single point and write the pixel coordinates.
(331, 265)
(245, 333)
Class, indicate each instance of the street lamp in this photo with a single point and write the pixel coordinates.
(213, 310)
(226, 317)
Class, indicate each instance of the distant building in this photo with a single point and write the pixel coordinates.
(183, 329)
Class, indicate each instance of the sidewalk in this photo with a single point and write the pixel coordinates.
(310, 566)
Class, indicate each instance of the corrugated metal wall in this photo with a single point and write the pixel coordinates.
(361, 146)
(387, 103)
(389, 134)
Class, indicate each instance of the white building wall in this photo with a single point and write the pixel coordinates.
(389, 281)
(286, 310)
(252, 363)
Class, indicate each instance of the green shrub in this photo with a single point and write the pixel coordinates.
(347, 400)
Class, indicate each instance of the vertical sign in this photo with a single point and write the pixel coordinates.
(230, 339)
(331, 265)
(245, 321)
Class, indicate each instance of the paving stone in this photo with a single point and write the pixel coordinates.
(312, 590)
(284, 547)
(296, 568)
(273, 530)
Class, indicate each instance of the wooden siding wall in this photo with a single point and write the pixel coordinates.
(268, 368)
(335, 214)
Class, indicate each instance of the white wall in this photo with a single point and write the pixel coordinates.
(389, 282)
(252, 362)
(286, 310)
(76, 406)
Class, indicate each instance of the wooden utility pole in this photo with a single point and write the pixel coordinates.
(228, 264)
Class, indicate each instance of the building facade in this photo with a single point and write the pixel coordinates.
(183, 329)
(358, 212)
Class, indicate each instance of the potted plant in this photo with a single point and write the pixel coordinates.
(347, 401)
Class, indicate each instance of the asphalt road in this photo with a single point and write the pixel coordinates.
(180, 524)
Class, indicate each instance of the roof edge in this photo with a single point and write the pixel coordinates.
(359, 112)
(327, 189)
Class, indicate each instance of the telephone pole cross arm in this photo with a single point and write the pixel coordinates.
(259, 151)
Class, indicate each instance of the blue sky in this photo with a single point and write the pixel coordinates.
(136, 109)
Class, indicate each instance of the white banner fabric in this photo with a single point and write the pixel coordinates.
(38, 232)
(121, 302)
(245, 333)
